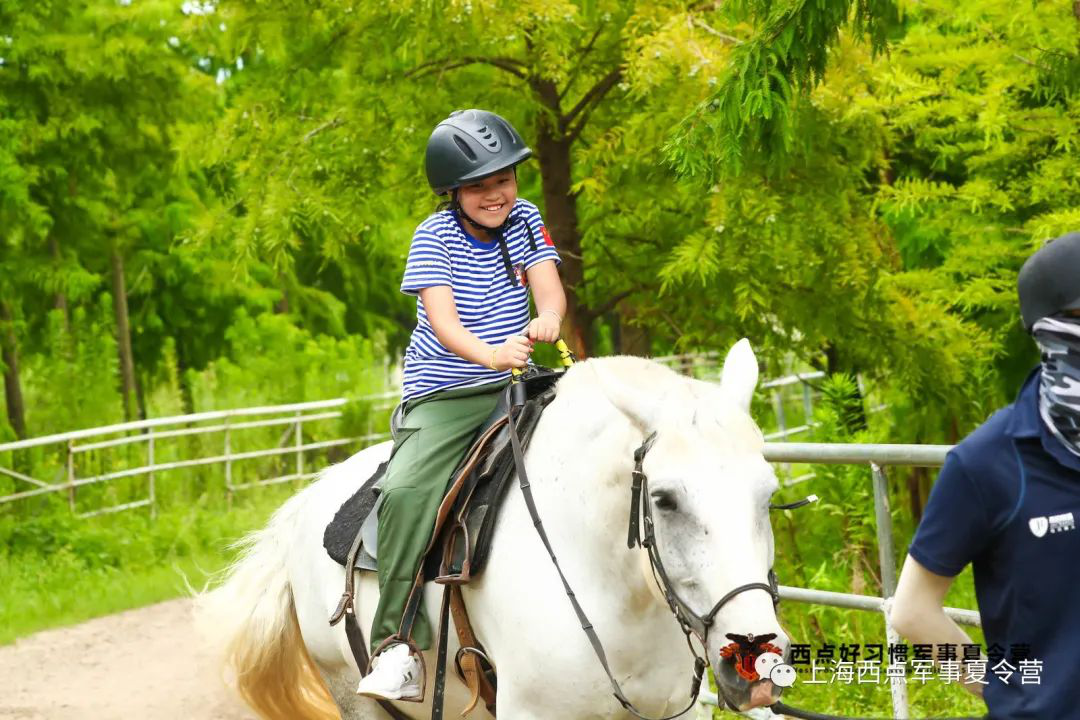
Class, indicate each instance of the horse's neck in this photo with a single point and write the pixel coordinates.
(582, 485)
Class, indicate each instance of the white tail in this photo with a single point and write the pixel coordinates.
(251, 617)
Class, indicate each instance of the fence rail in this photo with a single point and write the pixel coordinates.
(292, 417)
(150, 432)
(876, 458)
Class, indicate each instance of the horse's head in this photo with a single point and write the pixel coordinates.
(707, 491)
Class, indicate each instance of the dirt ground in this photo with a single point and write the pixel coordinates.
(141, 664)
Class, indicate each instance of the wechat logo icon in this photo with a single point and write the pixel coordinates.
(771, 666)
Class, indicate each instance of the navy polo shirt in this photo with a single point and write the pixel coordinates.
(1007, 501)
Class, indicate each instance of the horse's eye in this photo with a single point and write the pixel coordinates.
(665, 500)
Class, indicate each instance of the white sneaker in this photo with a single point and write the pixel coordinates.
(395, 675)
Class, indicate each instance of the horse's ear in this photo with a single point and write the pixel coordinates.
(740, 375)
(639, 406)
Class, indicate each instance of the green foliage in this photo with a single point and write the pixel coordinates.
(272, 361)
(56, 569)
(75, 386)
(752, 111)
(832, 545)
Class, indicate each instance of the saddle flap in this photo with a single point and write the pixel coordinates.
(341, 531)
(369, 531)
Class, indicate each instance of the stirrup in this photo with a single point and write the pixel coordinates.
(446, 577)
(396, 639)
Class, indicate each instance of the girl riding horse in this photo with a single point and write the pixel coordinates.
(471, 265)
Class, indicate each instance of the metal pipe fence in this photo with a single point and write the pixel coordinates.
(876, 458)
(147, 436)
(149, 433)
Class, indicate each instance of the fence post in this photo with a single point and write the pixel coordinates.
(71, 474)
(887, 564)
(781, 424)
(299, 444)
(150, 480)
(808, 403)
(778, 408)
(228, 466)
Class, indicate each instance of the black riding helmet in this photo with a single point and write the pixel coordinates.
(471, 145)
(1049, 281)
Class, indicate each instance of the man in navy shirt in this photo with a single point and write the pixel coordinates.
(1007, 501)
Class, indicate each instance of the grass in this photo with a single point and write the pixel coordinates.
(56, 570)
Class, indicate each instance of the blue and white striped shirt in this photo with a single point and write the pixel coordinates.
(489, 305)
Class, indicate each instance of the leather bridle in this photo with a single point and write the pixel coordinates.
(643, 535)
(689, 621)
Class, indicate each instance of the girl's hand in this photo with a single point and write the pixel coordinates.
(514, 353)
(545, 328)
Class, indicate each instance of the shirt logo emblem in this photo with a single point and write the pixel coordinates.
(1053, 524)
(547, 236)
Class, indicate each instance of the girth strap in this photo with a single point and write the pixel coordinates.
(440, 654)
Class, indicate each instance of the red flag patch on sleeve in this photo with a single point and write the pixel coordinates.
(547, 236)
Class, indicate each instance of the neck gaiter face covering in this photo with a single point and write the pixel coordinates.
(1059, 392)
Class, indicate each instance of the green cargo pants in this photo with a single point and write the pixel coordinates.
(435, 433)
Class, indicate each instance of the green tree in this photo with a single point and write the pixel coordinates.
(327, 119)
(99, 90)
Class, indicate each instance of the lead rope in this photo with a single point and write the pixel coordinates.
(586, 625)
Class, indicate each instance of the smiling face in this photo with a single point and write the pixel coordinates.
(489, 201)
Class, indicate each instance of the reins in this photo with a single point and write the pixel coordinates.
(583, 619)
(644, 536)
(641, 534)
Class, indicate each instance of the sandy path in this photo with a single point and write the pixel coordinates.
(145, 663)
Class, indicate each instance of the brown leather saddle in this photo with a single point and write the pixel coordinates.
(461, 540)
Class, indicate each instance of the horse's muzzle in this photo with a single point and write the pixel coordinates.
(739, 693)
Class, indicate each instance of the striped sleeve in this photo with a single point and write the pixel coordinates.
(428, 263)
(545, 246)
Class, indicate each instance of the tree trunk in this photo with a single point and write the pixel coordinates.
(632, 339)
(281, 307)
(60, 301)
(140, 396)
(561, 216)
(187, 397)
(917, 480)
(16, 408)
(123, 335)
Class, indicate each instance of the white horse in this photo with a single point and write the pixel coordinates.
(709, 488)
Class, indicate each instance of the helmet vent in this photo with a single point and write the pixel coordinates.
(464, 147)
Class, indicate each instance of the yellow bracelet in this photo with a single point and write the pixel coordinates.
(493, 354)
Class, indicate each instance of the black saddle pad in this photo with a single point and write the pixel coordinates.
(340, 533)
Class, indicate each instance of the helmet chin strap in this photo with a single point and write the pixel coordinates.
(498, 232)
